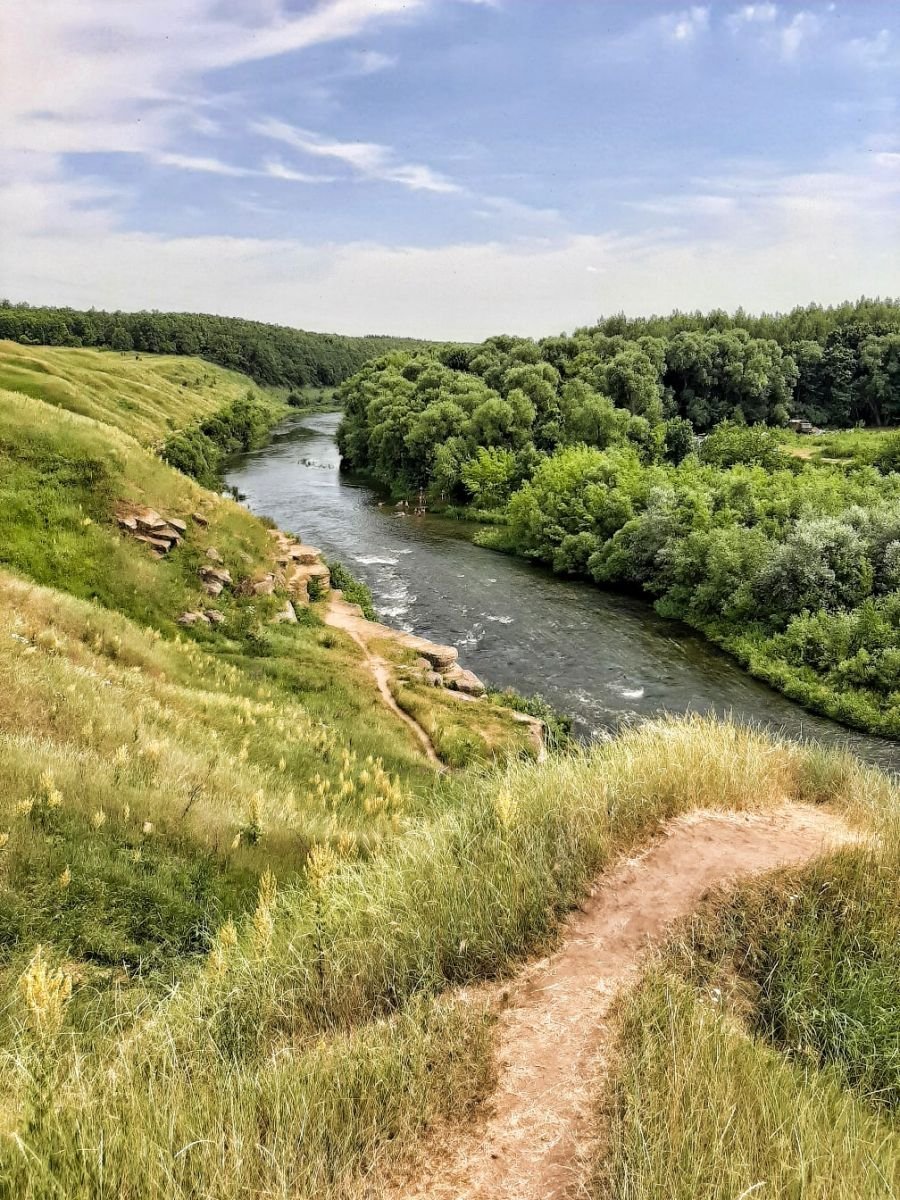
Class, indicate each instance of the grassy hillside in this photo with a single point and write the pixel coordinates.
(146, 396)
(236, 903)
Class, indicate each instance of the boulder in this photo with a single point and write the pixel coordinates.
(460, 680)
(222, 574)
(287, 614)
(159, 545)
(179, 526)
(214, 616)
(435, 678)
(199, 519)
(439, 657)
(192, 618)
(148, 519)
(264, 587)
(305, 554)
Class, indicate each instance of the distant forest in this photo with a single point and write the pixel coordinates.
(270, 354)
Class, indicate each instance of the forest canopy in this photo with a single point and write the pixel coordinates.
(274, 355)
(645, 455)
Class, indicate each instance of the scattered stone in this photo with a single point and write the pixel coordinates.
(264, 587)
(213, 555)
(199, 519)
(149, 519)
(214, 616)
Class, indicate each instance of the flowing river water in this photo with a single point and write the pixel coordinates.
(603, 658)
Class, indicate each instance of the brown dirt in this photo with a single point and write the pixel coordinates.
(555, 1026)
(341, 615)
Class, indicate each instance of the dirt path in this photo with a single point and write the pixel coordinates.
(552, 1033)
(341, 615)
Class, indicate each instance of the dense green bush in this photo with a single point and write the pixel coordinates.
(201, 451)
(353, 590)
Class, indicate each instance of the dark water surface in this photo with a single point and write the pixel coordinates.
(601, 657)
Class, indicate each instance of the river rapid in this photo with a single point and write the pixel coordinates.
(602, 658)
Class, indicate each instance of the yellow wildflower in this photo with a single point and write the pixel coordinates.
(44, 991)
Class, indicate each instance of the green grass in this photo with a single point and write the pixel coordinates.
(761, 1054)
(818, 952)
(844, 445)
(700, 1112)
(147, 396)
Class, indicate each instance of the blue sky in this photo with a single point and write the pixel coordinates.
(448, 168)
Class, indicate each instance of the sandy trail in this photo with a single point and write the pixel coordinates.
(341, 615)
(553, 1031)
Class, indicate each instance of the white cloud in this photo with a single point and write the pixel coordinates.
(686, 26)
(212, 166)
(680, 27)
(772, 29)
(782, 240)
(803, 27)
(753, 14)
(122, 77)
(876, 52)
(277, 170)
(369, 159)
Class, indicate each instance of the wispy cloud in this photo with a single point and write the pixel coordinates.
(370, 62)
(211, 166)
(368, 159)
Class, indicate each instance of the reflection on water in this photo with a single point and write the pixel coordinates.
(602, 658)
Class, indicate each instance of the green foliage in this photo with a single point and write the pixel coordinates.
(201, 451)
(557, 725)
(795, 571)
(269, 354)
(353, 590)
(729, 444)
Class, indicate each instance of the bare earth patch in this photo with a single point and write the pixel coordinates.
(555, 1026)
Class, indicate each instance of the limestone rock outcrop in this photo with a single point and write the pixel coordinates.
(160, 534)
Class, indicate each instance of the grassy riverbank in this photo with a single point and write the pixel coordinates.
(237, 903)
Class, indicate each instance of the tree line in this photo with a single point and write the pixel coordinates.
(646, 455)
(274, 355)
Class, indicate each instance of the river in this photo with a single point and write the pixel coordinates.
(603, 658)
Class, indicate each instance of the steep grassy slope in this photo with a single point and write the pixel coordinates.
(147, 396)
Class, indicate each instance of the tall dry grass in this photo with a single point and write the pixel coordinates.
(314, 1041)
